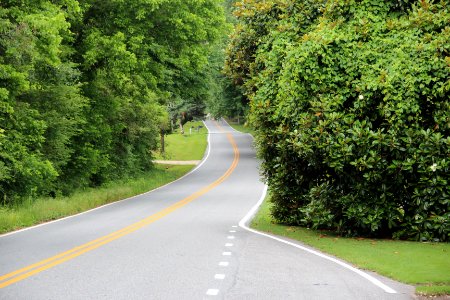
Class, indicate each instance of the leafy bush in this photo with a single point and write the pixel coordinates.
(353, 118)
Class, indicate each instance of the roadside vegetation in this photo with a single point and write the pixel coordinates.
(35, 211)
(188, 146)
(423, 264)
(86, 87)
(349, 100)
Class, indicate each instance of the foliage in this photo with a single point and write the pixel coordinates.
(43, 209)
(40, 102)
(350, 103)
(85, 85)
(225, 99)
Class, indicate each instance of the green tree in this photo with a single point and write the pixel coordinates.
(40, 103)
(225, 98)
(85, 85)
(136, 56)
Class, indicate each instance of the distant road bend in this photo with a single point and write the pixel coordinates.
(186, 240)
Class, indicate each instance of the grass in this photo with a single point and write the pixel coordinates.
(433, 290)
(188, 146)
(241, 127)
(178, 147)
(46, 209)
(425, 265)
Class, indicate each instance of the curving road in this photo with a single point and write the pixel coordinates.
(182, 241)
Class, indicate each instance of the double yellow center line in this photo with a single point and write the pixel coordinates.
(50, 262)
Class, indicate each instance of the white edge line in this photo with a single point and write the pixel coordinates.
(252, 212)
(126, 199)
(235, 130)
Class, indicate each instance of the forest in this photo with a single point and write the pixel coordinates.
(88, 86)
(350, 103)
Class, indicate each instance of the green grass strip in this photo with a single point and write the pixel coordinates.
(436, 290)
(426, 265)
(46, 209)
(190, 146)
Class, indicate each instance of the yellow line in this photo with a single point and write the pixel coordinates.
(18, 275)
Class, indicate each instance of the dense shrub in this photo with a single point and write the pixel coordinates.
(353, 118)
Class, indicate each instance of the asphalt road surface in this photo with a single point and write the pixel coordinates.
(182, 241)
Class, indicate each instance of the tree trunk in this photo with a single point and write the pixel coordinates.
(162, 141)
(181, 128)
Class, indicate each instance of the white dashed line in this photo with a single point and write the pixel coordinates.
(226, 253)
(230, 237)
(219, 276)
(234, 226)
(228, 245)
(232, 231)
(212, 292)
(224, 264)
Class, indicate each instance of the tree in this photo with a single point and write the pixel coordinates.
(40, 101)
(225, 98)
(135, 56)
(84, 86)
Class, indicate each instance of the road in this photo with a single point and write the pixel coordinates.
(182, 241)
